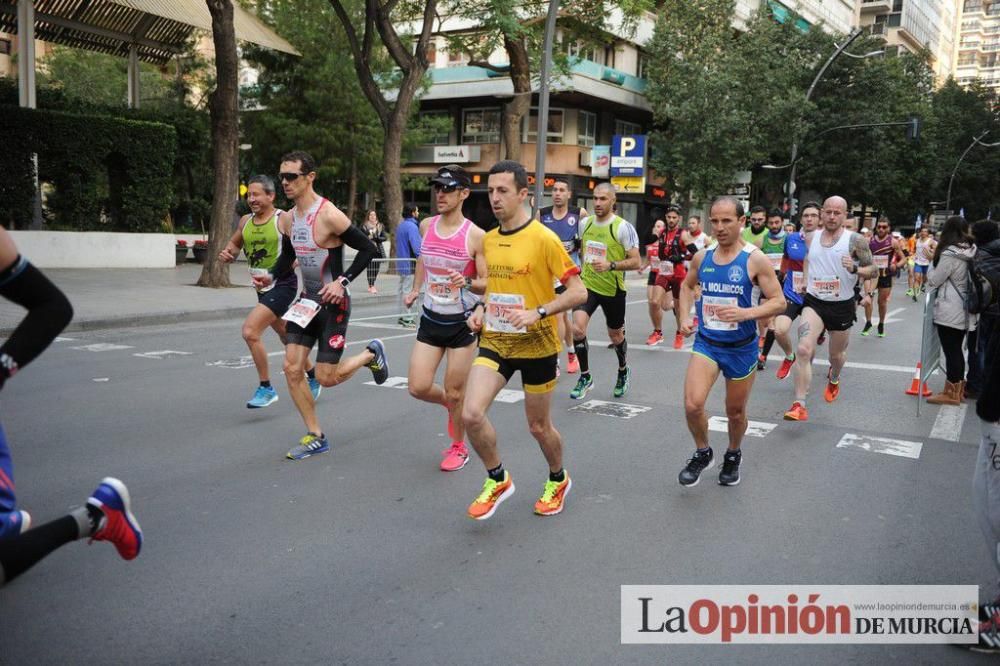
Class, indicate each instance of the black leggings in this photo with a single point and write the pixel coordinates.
(951, 345)
(373, 269)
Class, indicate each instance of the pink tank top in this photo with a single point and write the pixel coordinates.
(442, 254)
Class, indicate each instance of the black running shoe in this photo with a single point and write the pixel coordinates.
(696, 464)
(378, 365)
(730, 473)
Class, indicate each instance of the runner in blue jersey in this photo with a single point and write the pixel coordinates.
(566, 225)
(796, 249)
(726, 340)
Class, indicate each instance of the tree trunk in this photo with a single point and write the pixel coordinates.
(223, 112)
(518, 107)
(392, 188)
(352, 189)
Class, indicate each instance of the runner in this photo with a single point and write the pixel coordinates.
(450, 257)
(523, 260)
(796, 249)
(699, 238)
(851, 222)
(314, 233)
(610, 247)
(773, 247)
(887, 256)
(106, 515)
(925, 246)
(726, 339)
(754, 232)
(676, 248)
(654, 292)
(566, 225)
(258, 234)
(831, 275)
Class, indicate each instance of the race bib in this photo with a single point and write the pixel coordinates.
(775, 259)
(301, 312)
(666, 268)
(594, 251)
(798, 282)
(498, 309)
(826, 286)
(654, 264)
(881, 261)
(259, 273)
(442, 291)
(710, 312)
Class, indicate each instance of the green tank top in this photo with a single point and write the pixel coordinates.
(750, 237)
(262, 242)
(600, 241)
(772, 247)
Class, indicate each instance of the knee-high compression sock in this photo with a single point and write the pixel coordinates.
(582, 349)
(768, 343)
(22, 552)
(621, 349)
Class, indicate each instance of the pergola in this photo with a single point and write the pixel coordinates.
(152, 31)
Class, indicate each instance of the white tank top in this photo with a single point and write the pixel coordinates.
(828, 279)
(313, 259)
(924, 252)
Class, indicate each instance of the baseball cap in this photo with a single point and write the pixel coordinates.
(452, 175)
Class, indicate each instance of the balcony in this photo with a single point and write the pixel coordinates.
(876, 6)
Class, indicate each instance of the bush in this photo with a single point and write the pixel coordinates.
(95, 164)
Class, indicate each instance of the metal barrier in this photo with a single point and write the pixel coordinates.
(386, 281)
(930, 345)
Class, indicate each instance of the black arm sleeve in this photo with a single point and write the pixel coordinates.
(353, 237)
(692, 249)
(283, 266)
(49, 311)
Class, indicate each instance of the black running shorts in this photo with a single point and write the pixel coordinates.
(444, 331)
(328, 328)
(613, 307)
(836, 315)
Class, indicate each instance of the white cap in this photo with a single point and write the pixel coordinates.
(865, 230)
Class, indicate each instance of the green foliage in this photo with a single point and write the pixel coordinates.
(98, 79)
(107, 174)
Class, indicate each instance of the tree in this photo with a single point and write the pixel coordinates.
(98, 79)
(223, 111)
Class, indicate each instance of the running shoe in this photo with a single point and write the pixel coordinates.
(696, 464)
(455, 458)
(989, 637)
(909, 292)
(309, 445)
(117, 524)
(729, 475)
(407, 323)
(314, 387)
(914, 295)
(621, 386)
(655, 338)
(832, 389)
(678, 341)
(785, 368)
(572, 364)
(797, 413)
(553, 496)
(492, 495)
(262, 397)
(881, 331)
(582, 388)
(380, 364)
(15, 523)
(867, 330)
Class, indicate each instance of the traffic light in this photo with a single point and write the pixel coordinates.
(913, 129)
(793, 208)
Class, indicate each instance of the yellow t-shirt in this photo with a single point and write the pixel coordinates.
(523, 266)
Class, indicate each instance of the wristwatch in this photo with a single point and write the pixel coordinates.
(542, 312)
(344, 281)
(468, 282)
(613, 264)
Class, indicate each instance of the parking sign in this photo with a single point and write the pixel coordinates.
(628, 155)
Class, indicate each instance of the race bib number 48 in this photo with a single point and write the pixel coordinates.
(498, 309)
(710, 312)
(826, 286)
(594, 251)
(301, 312)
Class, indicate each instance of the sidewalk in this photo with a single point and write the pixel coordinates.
(120, 297)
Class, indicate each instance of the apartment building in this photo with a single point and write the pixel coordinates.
(978, 47)
(835, 15)
(911, 25)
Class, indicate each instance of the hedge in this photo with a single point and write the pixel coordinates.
(93, 163)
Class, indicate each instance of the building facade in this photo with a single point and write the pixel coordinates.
(978, 43)
(835, 15)
(911, 25)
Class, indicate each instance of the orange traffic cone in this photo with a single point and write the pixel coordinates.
(915, 384)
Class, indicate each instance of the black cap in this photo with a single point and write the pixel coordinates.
(452, 175)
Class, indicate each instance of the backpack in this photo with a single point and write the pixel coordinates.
(984, 280)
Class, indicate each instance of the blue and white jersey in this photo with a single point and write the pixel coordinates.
(726, 285)
(796, 250)
(567, 229)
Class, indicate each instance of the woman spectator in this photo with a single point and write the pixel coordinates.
(986, 234)
(375, 231)
(949, 274)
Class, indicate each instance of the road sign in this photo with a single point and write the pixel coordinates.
(629, 184)
(628, 155)
(784, 188)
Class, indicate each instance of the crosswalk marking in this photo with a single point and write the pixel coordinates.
(102, 347)
(892, 447)
(509, 396)
(948, 423)
(159, 355)
(754, 428)
(619, 410)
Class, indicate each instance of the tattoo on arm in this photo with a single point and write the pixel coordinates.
(863, 253)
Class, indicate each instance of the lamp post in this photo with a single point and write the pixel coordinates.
(951, 181)
(543, 104)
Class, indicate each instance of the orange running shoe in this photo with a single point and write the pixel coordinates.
(572, 364)
(832, 391)
(797, 413)
(786, 367)
(654, 338)
(678, 341)
(492, 495)
(553, 496)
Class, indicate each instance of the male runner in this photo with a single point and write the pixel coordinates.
(754, 232)
(910, 250)
(450, 258)
(676, 249)
(831, 275)
(727, 336)
(773, 247)
(654, 293)
(925, 246)
(698, 237)
(887, 255)
(314, 233)
(610, 247)
(566, 225)
(851, 222)
(107, 514)
(796, 249)
(519, 333)
(258, 234)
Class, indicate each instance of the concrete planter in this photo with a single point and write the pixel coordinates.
(181, 254)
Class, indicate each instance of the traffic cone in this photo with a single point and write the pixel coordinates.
(915, 384)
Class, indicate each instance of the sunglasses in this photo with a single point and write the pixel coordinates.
(289, 177)
(446, 189)
(881, 226)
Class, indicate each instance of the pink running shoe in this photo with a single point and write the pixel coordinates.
(455, 457)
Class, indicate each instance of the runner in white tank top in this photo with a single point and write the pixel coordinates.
(451, 269)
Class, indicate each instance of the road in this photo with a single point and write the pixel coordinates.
(365, 556)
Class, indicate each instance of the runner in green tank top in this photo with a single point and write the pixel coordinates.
(259, 238)
(773, 246)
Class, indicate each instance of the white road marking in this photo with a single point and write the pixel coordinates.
(102, 347)
(364, 324)
(892, 447)
(101, 379)
(62, 339)
(233, 363)
(892, 313)
(159, 355)
(754, 428)
(948, 424)
(619, 410)
(509, 396)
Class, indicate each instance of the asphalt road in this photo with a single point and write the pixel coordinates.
(364, 555)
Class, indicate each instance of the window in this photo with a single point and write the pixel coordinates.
(431, 53)
(457, 58)
(439, 121)
(584, 52)
(895, 20)
(641, 65)
(586, 128)
(481, 126)
(554, 131)
(625, 127)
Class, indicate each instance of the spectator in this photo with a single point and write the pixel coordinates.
(375, 231)
(986, 234)
(407, 250)
(950, 276)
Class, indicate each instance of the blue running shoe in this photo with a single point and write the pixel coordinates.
(264, 396)
(309, 445)
(314, 387)
(380, 364)
(14, 523)
(117, 524)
